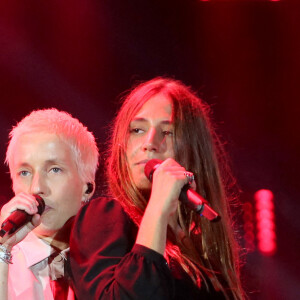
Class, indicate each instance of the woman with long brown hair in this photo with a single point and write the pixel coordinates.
(141, 242)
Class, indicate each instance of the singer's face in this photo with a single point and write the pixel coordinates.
(44, 164)
(150, 136)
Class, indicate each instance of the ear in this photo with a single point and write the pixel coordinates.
(90, 188)
(88, 191)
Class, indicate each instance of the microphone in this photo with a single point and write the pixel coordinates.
(187, 195)
(19, 218)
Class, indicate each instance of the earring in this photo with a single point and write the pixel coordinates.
(89, 190)
(85, 200)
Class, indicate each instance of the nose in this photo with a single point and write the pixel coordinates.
(152, 141)
(38, 186)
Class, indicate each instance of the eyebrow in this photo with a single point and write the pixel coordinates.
(22, 165)
(47, 162)
(145, 120)
(53, 162)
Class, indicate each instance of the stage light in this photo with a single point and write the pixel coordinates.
(265, 221)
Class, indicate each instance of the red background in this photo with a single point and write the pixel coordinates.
(241, 56)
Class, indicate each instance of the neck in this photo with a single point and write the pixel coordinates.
(56, 244)
(173, 223)
(58, 239)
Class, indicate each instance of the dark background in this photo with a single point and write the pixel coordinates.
(242, 57)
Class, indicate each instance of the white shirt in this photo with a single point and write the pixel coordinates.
(28, 275)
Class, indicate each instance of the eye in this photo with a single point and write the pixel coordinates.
(167, 133)
(56, 170)
(136, 130)
(23, 173)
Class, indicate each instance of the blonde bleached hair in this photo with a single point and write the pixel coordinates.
(69, 129)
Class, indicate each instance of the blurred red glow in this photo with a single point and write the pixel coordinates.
(266, 234)
(264, 214)
(267, 204)
(263, 195)
(249, 237)
(265, 224)
(267, 247)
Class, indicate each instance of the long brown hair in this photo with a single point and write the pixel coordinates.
(209, 251)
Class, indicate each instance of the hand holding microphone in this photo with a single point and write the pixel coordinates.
(19, 218)
(187, 195)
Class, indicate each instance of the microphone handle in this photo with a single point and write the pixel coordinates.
(191, 199)
(197, 203)
(10, 225)
(19, 217)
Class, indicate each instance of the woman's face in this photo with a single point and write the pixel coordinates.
(150, 136)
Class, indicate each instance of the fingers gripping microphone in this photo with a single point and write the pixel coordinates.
(187, 195)
(19, 218)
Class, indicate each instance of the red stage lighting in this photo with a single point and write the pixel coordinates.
(265, 221)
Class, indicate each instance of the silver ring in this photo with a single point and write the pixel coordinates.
(190, 176)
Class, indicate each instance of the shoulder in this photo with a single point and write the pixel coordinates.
(102, 214)
(102, 217)
(102, 205)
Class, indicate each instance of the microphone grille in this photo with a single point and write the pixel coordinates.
(150, 167)
(41, 206)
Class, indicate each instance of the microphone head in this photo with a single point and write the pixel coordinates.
(150, 167)
(41, 206)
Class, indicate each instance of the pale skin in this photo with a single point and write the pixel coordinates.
(43, 164)
(151, 136)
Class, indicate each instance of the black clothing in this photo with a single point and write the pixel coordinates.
(107, 264)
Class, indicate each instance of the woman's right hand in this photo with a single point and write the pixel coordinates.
(22, 201)
(168, 180)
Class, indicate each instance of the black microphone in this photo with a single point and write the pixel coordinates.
(19, 218)
(187, 195)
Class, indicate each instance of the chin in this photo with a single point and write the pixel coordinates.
(144, 187)
(143, 184)
(42, 230)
